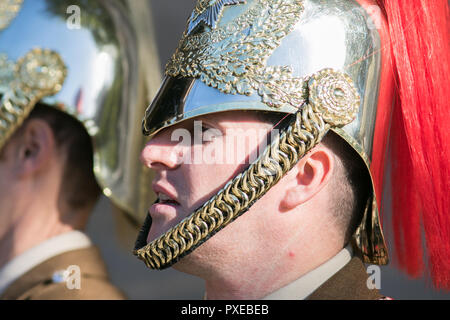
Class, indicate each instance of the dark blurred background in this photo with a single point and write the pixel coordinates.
(115, 237)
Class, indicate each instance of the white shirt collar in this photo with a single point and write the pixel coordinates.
(301, 288)
(26, 261)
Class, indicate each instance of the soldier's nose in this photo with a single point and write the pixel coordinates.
(157, 156)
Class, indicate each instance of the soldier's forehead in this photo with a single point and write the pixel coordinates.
(229, 115)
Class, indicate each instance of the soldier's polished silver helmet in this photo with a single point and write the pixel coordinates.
(82, 57)
(321, 60)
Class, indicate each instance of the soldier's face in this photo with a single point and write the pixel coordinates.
(196, 158)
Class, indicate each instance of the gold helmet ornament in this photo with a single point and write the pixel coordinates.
(83, 59)
(327, 63)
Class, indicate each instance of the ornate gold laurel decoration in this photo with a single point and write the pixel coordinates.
(8, 11)
(327, 107)
(233, 58)
(329, 94)
(38, 74)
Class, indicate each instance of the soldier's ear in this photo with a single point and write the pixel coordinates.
(312, 173)
(35, 147)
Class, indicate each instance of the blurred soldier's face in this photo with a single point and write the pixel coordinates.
(194, 159)
(14, 181)
(30, 177)
(6, 188)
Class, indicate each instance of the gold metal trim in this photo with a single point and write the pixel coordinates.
(8, 11)
(38, 74)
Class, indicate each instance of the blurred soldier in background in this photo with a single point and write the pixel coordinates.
(72, 94)
(328, 75)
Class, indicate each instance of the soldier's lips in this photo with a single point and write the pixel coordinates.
(166, 209)
(164, 215)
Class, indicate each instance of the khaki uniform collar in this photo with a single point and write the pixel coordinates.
(36, 255)
(350, 283)
(88, 259)
(301, 288)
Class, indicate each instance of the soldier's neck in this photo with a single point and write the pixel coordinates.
(31, 228)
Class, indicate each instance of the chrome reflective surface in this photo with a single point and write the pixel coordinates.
(336, 34)
(347, 42)
(104, 88)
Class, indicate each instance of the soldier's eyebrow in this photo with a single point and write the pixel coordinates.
(211, 124)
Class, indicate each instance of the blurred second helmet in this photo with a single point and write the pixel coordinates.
(82, 57)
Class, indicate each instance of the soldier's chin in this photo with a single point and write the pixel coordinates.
(157, 230)
(153, 235)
